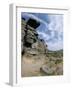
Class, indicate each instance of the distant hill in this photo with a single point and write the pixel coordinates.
(58, 53)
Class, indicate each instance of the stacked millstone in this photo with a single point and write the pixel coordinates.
(29, 34)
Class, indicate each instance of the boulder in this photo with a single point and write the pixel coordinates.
(33, 23)
(48, 70)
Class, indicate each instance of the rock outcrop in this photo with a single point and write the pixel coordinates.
(29, 36)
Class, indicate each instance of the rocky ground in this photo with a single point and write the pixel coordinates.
(41, 65)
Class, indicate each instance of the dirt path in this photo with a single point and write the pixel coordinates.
(30, 65)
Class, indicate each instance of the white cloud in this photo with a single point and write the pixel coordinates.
(44, 35)
(56, 23)
(55, 46)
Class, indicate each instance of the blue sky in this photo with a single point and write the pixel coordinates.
(50, 29)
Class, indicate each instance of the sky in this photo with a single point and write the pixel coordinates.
(50, 29)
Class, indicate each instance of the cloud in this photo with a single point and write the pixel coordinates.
(56, 23)
(55, 46)
(44, 36)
